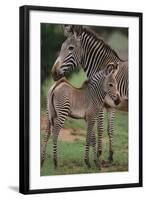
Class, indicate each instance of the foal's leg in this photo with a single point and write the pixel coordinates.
(100, 130)
(58, 124)
(47, 134)
(93, 144)
(110, 129)
(55, 132)
(90, 125)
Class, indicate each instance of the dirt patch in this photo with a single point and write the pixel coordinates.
(66, 134)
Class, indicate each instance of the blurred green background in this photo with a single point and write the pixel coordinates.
(72, 138)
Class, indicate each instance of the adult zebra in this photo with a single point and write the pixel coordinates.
(84, 48)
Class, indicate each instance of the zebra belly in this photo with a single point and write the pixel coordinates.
(77, 113)
(78, 104)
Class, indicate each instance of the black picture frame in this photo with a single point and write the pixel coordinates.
(25, 106)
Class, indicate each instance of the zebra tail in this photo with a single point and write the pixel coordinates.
(51, 109)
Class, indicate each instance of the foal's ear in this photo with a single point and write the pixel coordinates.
(112, 68)
(115, 68)
(109, 69)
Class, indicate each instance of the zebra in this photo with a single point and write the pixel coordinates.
(84, 48)
(64, 100)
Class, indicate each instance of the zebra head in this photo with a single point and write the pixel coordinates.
(70, 53)
(110, 85)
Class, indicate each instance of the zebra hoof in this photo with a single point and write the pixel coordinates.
(87, 163)
(55, 164)
(42, 162)
(97, 164)
(99, 153)
(110, 158)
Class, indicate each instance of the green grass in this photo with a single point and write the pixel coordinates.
(71, 154)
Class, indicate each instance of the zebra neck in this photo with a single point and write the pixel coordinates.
(95, 54)
(95, 88)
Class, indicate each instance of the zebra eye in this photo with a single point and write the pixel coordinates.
(111, 85)
(70, 48)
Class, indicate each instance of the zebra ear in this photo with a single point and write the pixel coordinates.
(68, 29)
(116, 68)
(77, 30)
(112, 68)
(109, 69)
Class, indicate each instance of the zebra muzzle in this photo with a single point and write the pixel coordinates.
(117, 100)
(56, 76)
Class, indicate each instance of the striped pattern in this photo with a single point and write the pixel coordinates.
(96, 53)
(46, 136)
(92, 54)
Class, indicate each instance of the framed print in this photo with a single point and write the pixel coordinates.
(80, 99)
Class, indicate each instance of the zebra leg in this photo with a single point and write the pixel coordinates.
(55, 132)
(45, 141)
(93, 144)
(100, 130)
(90, 125)
(110, 129)
(58, 124)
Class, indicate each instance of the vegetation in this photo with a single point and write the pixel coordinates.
(71, 153)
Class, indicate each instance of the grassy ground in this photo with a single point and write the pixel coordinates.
(71, 149)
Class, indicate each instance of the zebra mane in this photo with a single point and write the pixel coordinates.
(89, 31)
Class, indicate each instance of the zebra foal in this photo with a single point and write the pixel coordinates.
(64, 101)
